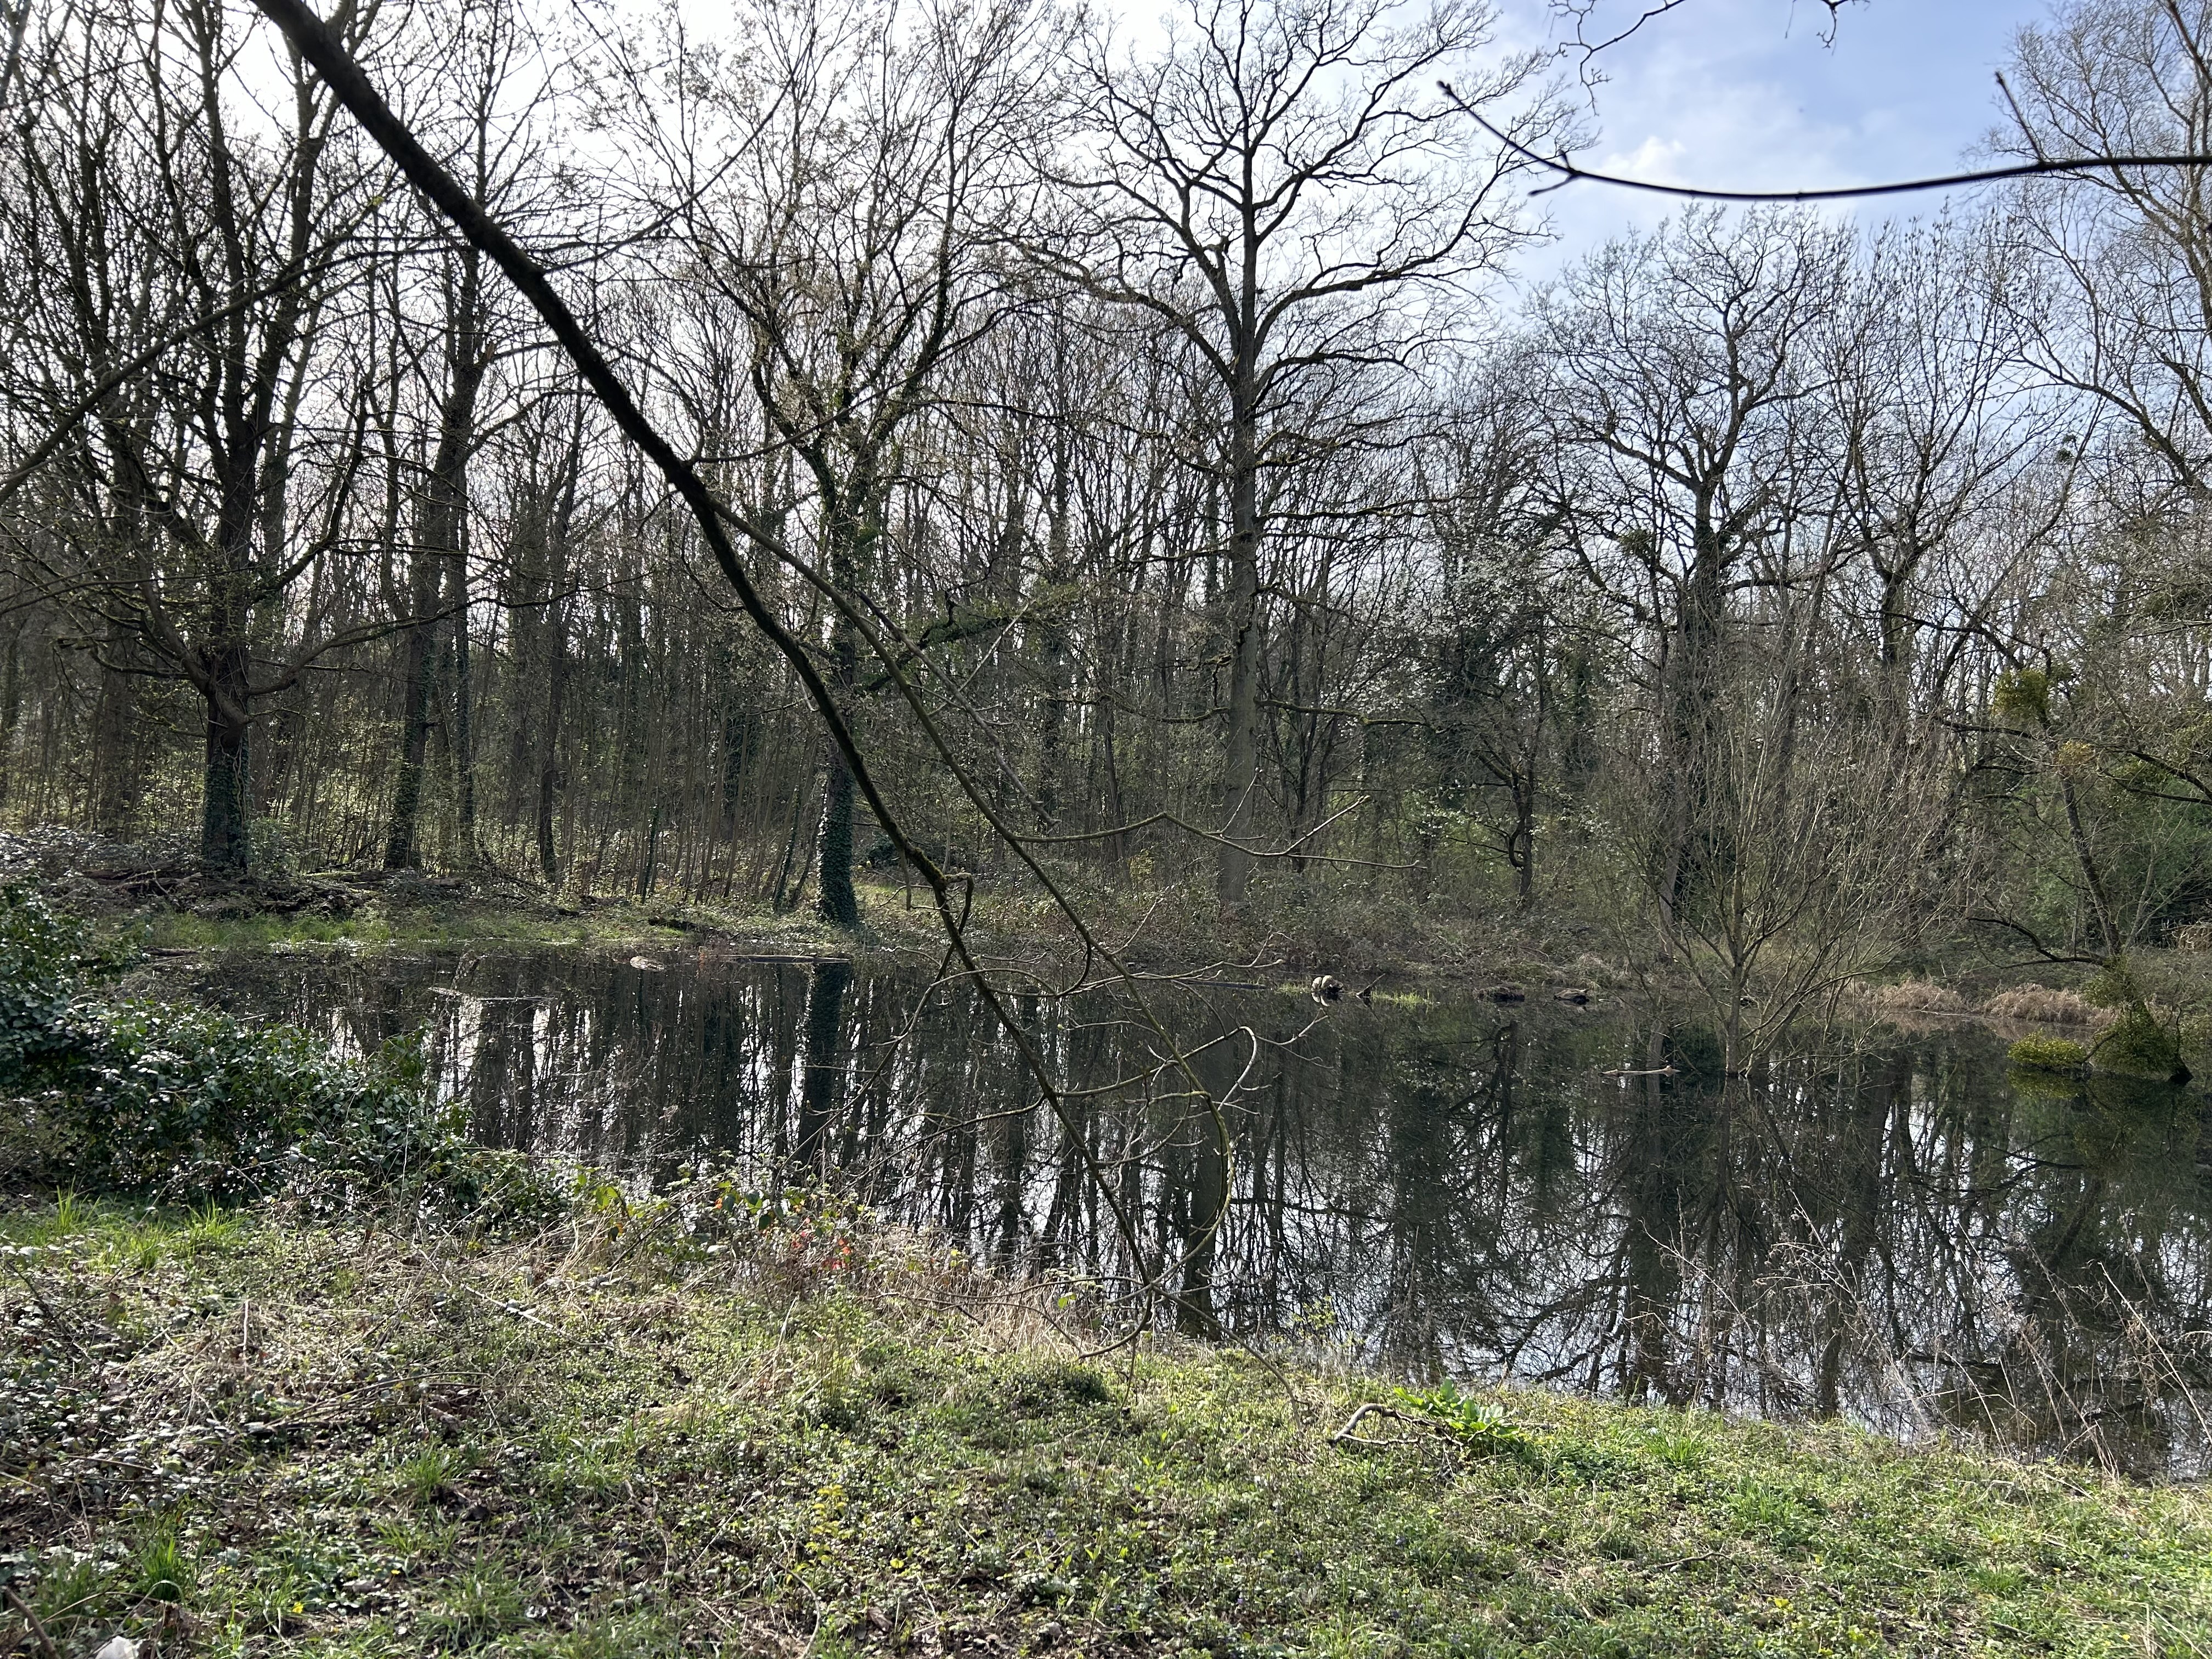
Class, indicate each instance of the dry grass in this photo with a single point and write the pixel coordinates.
(1917, 996)
(2043, 1004)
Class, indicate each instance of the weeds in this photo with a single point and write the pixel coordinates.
(1482, 1425)
(676, 1427)
(1917, 996)
(162, 1572)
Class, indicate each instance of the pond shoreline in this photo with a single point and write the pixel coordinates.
(1291, 934)
(1279, 941)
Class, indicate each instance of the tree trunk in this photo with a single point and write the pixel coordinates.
(463, 744)
(1688, 736)
(840, 905)
(1052, 651)
(549, 775)
(440, 562)
(1240, 774)
(2092, 880)
(402, 849)
(226, 834)
(11, 705)
(115, 746)
(1524, 839)
(548, 769)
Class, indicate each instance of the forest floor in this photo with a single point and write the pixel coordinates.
(239, 1431)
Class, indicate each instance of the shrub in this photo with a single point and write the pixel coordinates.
(2113, 984)
(184, 1103)
(2140, 1042)
(2048, 1053)
(46, 959)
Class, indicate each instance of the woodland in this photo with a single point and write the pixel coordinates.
(1133, 516)
(1149, 447)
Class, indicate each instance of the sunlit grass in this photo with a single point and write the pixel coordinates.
(701, 1454)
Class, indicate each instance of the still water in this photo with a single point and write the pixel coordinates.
(1887, 1226)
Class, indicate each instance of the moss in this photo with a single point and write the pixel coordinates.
(2048, 1053)
(2140, 1043)
(593, 1445)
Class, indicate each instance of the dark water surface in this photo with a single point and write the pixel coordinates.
(1893, 1228)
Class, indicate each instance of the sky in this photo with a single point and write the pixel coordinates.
(1745, 95)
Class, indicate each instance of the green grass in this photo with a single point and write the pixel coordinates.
(375, 926)
(371, 1443)
(1303, 924)
(524, 922)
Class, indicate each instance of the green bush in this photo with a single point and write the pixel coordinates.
(1482, 1425)
(45, 960)
(2048, 1053)
(2140, 1043)
(187, 1103)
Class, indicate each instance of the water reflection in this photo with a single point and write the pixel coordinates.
(1894, 1229)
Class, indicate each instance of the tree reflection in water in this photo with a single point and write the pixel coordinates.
(1893, 1228)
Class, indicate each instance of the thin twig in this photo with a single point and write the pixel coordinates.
(23, 1611)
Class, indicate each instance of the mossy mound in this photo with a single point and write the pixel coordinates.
(2048, 1053)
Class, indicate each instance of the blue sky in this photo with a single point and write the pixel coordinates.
(1744, 94)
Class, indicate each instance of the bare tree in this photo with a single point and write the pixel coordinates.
(860, 224)
(1286, 188)
(485, 123)
(2120, 309)
(217, 494)
(1685, 425)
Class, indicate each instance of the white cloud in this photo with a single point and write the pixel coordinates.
(1743, 94)
(1657, 159)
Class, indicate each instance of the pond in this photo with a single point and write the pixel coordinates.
(1891, 1226)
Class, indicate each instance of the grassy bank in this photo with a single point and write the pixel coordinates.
(681, 1433)
(1292, 922)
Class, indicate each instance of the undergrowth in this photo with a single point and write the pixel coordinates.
(178, 1103)
(745, 1422)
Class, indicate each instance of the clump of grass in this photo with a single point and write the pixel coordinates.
(1917, 996)
(68, 1587)
(162, 1570)
(483, 1603)
(2049, 1054)
(429, 1475)
(2047, 1005)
